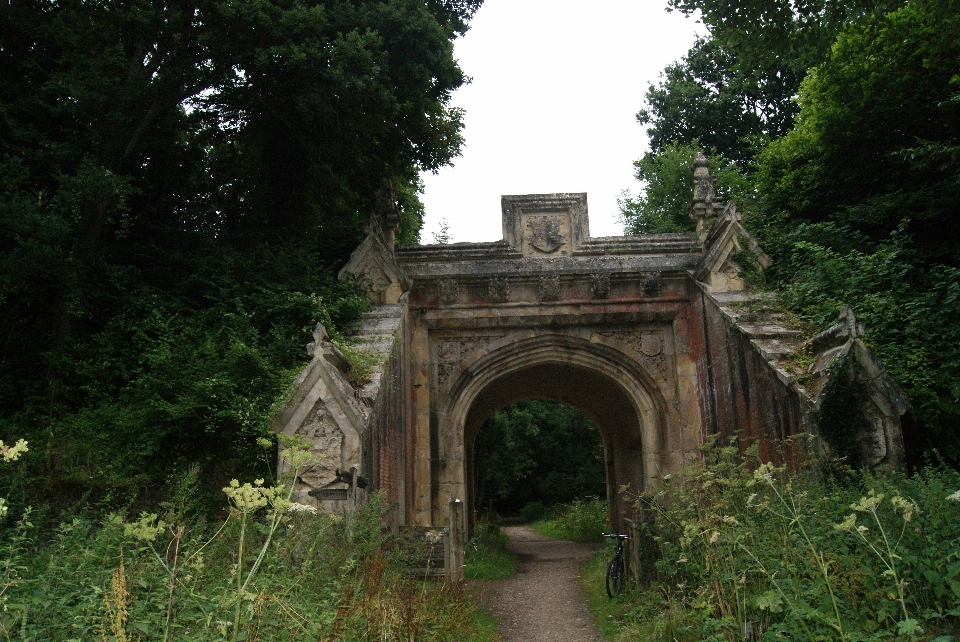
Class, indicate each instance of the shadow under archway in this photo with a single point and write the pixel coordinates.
(537, 452)
(596, 379)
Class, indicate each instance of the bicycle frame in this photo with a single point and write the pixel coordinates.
(616, 569)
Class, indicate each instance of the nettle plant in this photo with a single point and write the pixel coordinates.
(751, 550)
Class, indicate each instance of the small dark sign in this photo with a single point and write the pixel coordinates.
(329, 493)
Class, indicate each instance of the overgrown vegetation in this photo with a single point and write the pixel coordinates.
(582, 520)
(836, 128)
(750, 551)
(270, 569)
(178, 188)
(487, 557)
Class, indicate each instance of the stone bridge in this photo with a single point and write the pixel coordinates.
(655, 337)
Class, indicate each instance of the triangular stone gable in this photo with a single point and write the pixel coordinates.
(724, 244)
(883, 401)
(324, 411)
(373, 263)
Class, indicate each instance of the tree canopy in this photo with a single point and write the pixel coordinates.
(846, 174)
(178, 184)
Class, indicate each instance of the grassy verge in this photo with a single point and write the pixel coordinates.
(487, 557)
(609, 613)
(270, 569)
(580, 521)
(484, 627)
(743, 550)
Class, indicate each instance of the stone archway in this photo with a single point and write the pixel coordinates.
(612, 389)
(653, 336)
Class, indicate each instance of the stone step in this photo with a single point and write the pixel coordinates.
(378, 325)
(384, 310)
(768, 330)
(422, 550)
(772, 349)
(374, 344)
(727, 298)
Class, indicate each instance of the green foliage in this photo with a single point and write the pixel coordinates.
(175, 577)
(735, 89)
(910, 311)
(537, 451)
(710, 99)
(742, 546)
(178, 186)
(533, 511)
(853, 200)
(487, 557)
(582, 520)
(668, 189)
(857, 160)
(840, 419)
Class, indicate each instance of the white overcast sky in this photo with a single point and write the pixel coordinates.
(552, 107)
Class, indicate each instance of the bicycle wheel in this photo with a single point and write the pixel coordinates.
(615, 573)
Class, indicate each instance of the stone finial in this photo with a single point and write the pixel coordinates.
(847, 328)
(385, 218)
(703, 204)
(321, 347)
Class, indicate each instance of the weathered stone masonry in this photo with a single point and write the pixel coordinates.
(655, 337)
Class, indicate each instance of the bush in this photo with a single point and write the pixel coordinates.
(487, 557)
(747, 549)
(273, 569)
(532, 511)
(580, 521)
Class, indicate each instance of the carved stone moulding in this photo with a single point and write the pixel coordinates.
(449, 291)
(498, 289)
(599, 286)
(545, 225)
(548, 288)
(651, 284)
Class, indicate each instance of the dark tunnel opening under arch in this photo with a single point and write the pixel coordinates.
(601, 398)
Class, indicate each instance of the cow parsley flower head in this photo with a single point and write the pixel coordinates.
(145, 529)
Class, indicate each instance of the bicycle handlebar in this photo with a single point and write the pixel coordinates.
(615, 536)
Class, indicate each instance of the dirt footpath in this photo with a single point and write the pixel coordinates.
(542, 601)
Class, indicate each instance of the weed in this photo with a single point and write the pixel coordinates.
(580, 521)
(487, 557)
(744, 550)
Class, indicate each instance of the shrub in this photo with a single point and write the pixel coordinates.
(747, 550)
(583, 520)
(273, 569)
(532, 511)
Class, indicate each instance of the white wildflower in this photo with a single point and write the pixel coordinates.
(12, 453)
(906, 506)
(145, 529)
(847, 524)
(297, 507)
(954, 498)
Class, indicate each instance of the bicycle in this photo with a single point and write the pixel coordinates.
(616, 569)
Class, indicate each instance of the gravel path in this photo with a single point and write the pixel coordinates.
(542, 601)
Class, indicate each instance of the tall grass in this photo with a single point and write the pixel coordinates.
(271, 569)
(743, 550)
(582, 520)
(487, 557)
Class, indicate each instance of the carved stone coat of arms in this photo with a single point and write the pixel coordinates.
(546, 235)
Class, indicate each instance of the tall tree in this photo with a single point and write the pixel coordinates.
(178, 182)
(736, 87)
